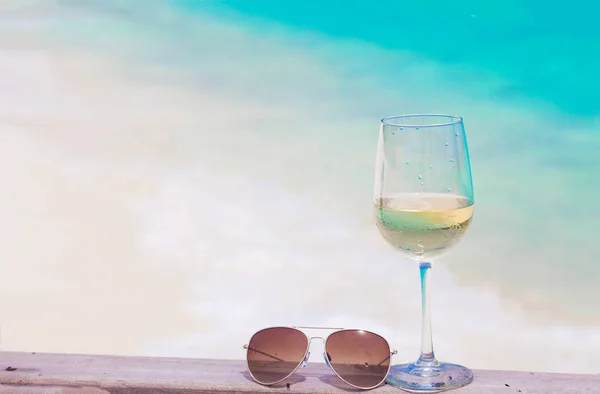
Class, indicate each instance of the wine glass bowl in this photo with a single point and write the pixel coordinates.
(423, 205)
(423, 226)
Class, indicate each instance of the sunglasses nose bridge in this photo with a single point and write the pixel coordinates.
(310, 339)
(307, 356)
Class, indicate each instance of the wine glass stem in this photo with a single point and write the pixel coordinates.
(427, 358)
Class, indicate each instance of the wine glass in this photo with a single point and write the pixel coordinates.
(423, 205)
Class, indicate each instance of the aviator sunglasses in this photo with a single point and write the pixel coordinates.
(358, 357)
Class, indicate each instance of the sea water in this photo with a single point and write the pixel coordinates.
(179, 174)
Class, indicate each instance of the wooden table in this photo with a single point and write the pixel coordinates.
(37, 373)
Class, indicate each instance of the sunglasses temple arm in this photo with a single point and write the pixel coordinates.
(267, 354)
(387, 358)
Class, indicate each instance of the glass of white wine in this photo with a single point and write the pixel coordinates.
(423, 205)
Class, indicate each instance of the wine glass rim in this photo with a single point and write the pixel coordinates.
(449, 120)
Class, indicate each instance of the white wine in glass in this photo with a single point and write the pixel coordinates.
(423, 205)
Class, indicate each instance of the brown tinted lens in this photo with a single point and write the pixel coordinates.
(359, 357)
(274, 353)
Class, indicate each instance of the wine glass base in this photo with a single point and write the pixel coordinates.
(420, 379)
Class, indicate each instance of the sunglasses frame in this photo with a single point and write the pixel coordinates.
(306, 354)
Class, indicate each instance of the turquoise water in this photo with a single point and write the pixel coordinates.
(540, 51)
(233, 144)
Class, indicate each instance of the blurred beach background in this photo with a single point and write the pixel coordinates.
(177, 174)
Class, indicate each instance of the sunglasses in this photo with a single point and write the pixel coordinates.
(360, 358)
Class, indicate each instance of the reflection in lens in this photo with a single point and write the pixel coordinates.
(360, 358)
(274, 353)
